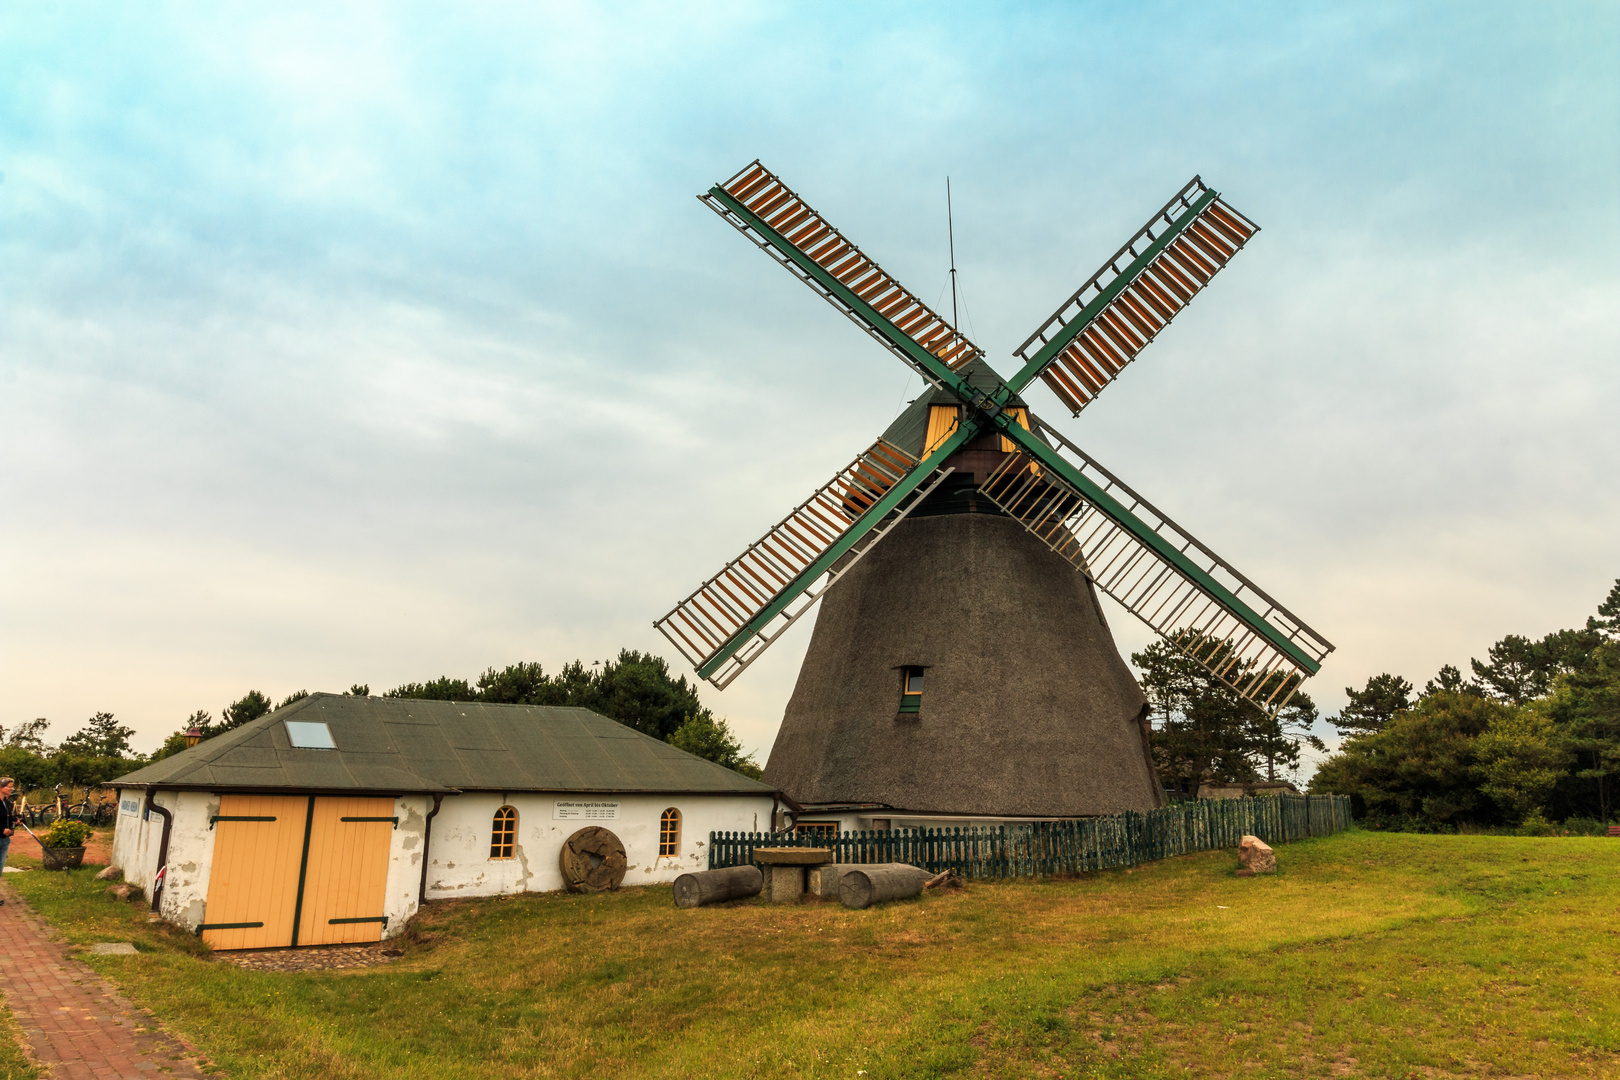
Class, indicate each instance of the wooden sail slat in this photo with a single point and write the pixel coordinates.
(1163, 267)
(1058, 382)
(801, 226)
(707, 619)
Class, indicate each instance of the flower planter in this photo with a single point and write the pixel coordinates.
(62, 858)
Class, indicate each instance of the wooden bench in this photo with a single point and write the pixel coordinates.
(1614, 830)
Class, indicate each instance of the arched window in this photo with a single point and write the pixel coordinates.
(669, 833)
(503, 834)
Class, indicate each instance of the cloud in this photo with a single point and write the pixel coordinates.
(370, 344)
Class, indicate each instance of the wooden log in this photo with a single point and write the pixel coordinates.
(868, 885)
(717, 886)
(823, 880)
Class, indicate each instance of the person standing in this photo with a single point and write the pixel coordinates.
(8, 821)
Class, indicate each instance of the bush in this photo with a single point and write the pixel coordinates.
(26, 767)
(1536, 824)
(66, 833)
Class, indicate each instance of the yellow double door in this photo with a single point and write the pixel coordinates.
(298, 870)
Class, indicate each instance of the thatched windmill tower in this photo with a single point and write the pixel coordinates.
(962, 666)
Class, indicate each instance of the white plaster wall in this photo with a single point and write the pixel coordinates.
(405, 862)
(137, 838)
(191, 855)
(459, 862)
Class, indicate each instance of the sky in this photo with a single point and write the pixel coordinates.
(372, 343)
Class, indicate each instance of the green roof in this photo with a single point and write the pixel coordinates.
(403, 745)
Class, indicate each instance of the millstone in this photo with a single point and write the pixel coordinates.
(580, 874)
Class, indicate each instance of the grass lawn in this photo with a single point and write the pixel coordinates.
(1367, 955)
(14, 1064)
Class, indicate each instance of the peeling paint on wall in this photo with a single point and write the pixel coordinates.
(458, 857)
(459, 863)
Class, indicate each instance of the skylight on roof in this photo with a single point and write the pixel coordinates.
(310, 735)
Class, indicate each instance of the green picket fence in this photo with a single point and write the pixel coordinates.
(1064, 847)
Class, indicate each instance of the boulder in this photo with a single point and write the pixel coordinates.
(1256, 856)
(111, 873)
(125, 891)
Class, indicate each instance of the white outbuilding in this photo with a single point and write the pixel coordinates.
(333, 819)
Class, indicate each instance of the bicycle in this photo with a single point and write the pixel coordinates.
(91, 810)
(58, 811)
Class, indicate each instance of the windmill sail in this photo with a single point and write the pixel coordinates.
(1118, 540)
(1090, 338)
(770, 214)
(1191, 596)
(735, 615)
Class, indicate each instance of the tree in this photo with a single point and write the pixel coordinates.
(1607, 620)
(1278, 736)
(101, 736)
(1570, 650)
(1205, 729)
(29, 735)
(31, 770)
(440, 689)
(1514, 673)
(1420, 770)
(299, 695)
(201, 720)
(1522, 670)
(1518, 761)
(1449, 681)
(357, 690)
(1375, 705)
(712, 740)
(519, 684)
(1585, 706)
(1197, 722)
(248, 708)
(636, 689)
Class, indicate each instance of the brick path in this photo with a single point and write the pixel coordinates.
(78, 1025)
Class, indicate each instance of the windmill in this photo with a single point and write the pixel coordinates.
(999, 531)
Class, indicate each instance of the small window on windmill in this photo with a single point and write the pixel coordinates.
(911, 688)
(309, 735)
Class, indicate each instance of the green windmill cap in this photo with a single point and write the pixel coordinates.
(910, 429)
